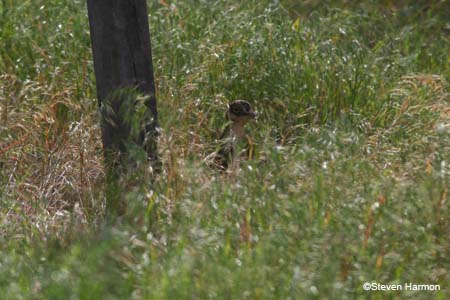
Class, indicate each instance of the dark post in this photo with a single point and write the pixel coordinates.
(122, 59)
(124, 73)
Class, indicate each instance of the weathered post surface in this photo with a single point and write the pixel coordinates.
(122, 61)
(125, 89)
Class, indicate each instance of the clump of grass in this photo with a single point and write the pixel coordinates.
(51, 157)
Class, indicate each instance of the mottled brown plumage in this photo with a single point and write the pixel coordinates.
(238, 114)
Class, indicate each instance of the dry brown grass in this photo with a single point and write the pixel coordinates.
(50, 153)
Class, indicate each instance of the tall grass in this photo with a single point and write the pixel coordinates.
(348, 184)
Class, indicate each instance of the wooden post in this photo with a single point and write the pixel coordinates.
(123, 62)
(126, 92)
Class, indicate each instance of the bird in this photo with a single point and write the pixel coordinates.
(239, 113)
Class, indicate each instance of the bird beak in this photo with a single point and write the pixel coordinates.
(252, 114)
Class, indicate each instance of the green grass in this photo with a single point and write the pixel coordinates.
(349, 182)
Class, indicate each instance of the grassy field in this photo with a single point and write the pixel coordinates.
(350, 177)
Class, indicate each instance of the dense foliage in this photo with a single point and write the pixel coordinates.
(348, 184)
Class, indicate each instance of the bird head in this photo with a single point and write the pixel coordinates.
(240, 111)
